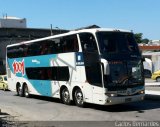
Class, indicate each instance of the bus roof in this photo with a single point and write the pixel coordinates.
(92, 30)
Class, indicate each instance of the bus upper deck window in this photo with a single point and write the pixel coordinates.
(88, 42)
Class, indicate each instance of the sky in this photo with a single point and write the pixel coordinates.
(141, 16)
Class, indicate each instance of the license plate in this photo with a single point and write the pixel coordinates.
(128, 99)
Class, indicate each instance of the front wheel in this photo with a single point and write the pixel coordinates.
(65, 96)
(4, 88)
(78, 97)
(158, 79)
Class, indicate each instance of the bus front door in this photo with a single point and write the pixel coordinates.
(92, 65)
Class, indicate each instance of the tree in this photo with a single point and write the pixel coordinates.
(145, 40)
(138, 37)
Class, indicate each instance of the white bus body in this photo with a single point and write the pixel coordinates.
(97, 66)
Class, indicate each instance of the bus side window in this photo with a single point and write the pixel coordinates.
(25, 50)
(68, 44)
(64, 42)
(71, 43)
(51, 48)
(30, 50)
(88, 42)
(43, 49)
(57, 45)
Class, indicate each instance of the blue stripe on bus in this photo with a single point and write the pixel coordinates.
(42, 86)
(35, 61)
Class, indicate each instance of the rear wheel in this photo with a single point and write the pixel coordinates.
(26, 91)
(78, 97)
(20, 91)
(65, 97)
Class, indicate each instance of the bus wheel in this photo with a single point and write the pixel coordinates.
(78, 98)
(26, 92)
(65, 96)
(18, 90)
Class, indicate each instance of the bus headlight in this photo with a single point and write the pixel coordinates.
(109, 101)
(141, 92)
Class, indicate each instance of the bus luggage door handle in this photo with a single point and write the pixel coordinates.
(106, 66)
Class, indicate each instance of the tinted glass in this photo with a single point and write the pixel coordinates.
(5, 78)
(117, 44)
(91, 59)
(48, 73)
(51, 46)
(88, 42)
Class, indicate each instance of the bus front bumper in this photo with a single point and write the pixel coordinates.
(126, 99)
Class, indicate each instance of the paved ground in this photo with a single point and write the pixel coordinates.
(48, 109)
(15, 108)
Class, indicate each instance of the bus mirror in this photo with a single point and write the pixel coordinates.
(106, 66)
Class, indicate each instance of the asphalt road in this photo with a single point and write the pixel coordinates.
(48, 109)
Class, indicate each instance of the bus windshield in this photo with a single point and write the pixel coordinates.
(121, 51)
(5, 78)
(117, 43)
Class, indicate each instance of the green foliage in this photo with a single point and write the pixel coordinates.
(138, 37)
(145, 41)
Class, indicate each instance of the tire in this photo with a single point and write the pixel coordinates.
(65, 97)
(26, 92)
(4, 88)
(20, 92)
(158, 79)
(78, 98)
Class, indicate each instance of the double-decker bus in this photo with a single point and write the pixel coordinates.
(100, 66)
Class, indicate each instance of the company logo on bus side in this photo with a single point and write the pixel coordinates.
(18, 67)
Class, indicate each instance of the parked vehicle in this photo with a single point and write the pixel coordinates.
(156, 76)
(100, 66)
(147, 73)
(3, 82)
